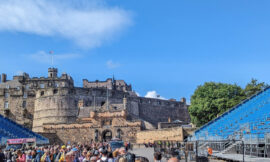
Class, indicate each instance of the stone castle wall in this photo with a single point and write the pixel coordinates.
(171, 134)
(157, 110)
(17, 104)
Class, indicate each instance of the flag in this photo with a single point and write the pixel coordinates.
(51, 52)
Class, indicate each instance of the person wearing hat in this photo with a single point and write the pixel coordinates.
(38, 156)
(62, 154)
(46, 156)
(75, 154)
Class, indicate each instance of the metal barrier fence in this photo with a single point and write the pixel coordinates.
(223, 149)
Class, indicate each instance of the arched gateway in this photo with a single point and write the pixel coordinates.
(107, 135)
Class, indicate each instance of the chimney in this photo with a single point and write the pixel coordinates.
(4, 78)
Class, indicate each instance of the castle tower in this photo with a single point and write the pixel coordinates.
(52, 72)
(54, 106)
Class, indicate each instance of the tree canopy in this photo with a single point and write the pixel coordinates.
(213, 99)
(254, 87)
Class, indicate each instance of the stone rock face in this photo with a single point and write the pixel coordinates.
(99, 109)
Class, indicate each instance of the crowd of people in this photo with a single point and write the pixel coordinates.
(94, 152)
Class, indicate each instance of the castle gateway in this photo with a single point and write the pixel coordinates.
(99, 110)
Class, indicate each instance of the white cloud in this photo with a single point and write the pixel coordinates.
(137, 94)
(154, 94)
(87, 23)
(111, 65)
(45, 57)
(20, 72)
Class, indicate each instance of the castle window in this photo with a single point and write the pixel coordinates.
(41, 93)
(96, 135)
(24, 104)
(115, 108)
(42, 86)
(102, 103)
(6, 105)
(56, 85)
(18, 88)
(27, 87)
(55, 91)
(6, 94)
(24, 95)
(119, 132)
(7, 86)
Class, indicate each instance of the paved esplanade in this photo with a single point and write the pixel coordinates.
(149, 152)
(145, 152)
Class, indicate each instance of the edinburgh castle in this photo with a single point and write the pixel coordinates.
(100, 110)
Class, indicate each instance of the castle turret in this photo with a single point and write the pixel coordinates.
(54, 107)
(52, 72)
(4, 78)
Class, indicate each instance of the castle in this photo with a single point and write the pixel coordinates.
(99, 110)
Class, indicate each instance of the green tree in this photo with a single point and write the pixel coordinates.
(213, 99)
(253, 87)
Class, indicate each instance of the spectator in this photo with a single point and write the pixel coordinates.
(157, 157)
(173, 159)
(2, 156)
(21, 156)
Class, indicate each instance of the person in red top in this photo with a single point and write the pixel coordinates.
(210, 151)
(126, 146)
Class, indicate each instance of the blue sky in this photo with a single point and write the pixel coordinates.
(169, 47)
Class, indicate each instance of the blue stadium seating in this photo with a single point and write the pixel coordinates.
(249, 119)
(10, 130)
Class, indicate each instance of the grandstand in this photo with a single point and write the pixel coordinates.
(10, 130)
(247, 123)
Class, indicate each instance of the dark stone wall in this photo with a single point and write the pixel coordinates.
(154, 111)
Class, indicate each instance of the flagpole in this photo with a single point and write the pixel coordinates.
(52, 60)
(51, 52)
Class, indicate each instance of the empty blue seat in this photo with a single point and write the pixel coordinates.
(251, 117)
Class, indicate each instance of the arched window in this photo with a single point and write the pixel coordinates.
(55, 91)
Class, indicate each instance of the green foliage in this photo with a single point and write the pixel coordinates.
(213, 99)
(254, 87)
